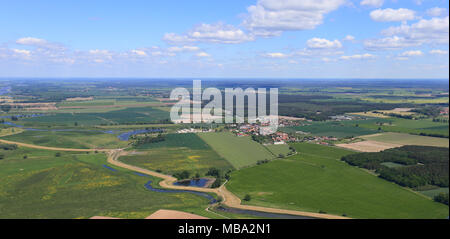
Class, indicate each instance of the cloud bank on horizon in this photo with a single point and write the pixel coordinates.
(262, 38)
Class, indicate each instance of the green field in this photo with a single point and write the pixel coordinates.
(78, 186)
(408, 126)
(434, 192)
(108, 101)
(407, 139)
(177, 153)
(278, 149)
(191, 141)
(68, 139)
(316, 180)
(334, 129)
(123, 116)
(239, 151)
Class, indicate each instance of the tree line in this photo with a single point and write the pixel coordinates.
(420, 165)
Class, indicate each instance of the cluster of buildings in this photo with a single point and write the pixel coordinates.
(282, 138)
(342, 117)
(320, 139)
(247, 129)
(192, 130)
(289, 123)
(254, 129)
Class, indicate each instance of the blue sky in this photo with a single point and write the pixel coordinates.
(234, 38)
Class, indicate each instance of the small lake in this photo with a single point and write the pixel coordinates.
(199, 182)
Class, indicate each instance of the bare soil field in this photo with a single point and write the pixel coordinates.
(369, 146)
(80, 99)
(162, 214)
(102, 217)
(402, 109)
(172, 214)
(407, 139)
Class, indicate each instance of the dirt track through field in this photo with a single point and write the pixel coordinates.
(229, 199)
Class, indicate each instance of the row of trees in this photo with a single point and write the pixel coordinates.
(148, 140)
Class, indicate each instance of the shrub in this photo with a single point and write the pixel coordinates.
(442, 198)
(247, 197)
(217, 183)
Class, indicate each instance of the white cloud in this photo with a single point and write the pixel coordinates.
(271, 17)
(268, 18)
(438, 52)
(99, 56)
(411, 53)
(39, 43)
(139, 52)
(31, 41)
(203, 54)
(434, 30)
(349, 38)
(320, 43)
(183, 48)
(392, 15)
(389, 43)
(99, 52)
(21, 51)
(372, 3)
(436, 11)
(276, 55)
(212, 33)
(358, 57)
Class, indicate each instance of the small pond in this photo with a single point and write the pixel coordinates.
(198, 182)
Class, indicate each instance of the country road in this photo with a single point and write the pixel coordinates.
(229, 199)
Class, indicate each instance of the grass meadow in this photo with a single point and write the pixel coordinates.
(68, 139)
(316, 180)
(76, 185)
(122, 116)
(179, 152)
(407, 126)
(334, 129)
(279, 149)
(238, 151)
